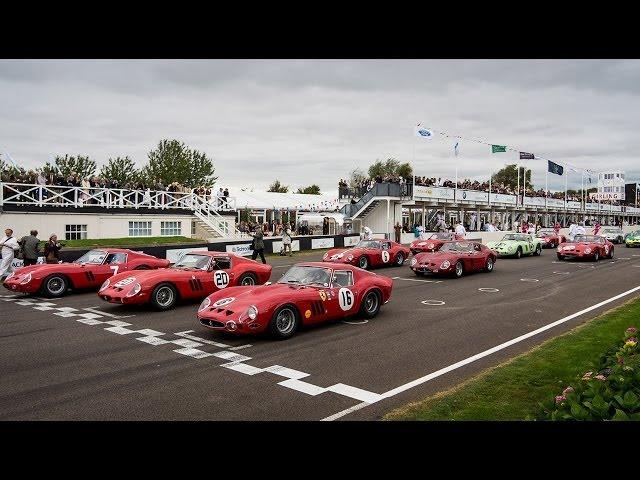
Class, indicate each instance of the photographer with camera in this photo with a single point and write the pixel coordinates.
(52, 249)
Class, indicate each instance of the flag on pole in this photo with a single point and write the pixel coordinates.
(527, 156)
(498, 148)
(423, 132)
(455, 149)
(554, 168)
(11, 159)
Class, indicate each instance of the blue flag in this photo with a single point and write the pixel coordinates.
(555, 168)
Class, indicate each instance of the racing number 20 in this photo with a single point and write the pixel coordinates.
(221, 279)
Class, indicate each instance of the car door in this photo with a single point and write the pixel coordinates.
(113, 263)
(385, 254)
(479, 257)
(342, 298)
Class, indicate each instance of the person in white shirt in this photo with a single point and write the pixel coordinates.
(9, 246)
(41, 180)
(473, 221)
(579, 230)
(572, 229)
(460, 229)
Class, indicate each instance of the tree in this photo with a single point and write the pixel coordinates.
(509, 176)
(81, 165)
(48, 170)
(356, 177)
(391, 167)
(277, 187)
(122, 169)
(405, 171)
(311, 190)
(173, 161)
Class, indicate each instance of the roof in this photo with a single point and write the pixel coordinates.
(293, 201)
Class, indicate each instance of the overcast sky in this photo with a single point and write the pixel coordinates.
(313, 121)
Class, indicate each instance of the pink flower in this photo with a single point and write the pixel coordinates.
(587, 376)
(631, 330)
(600, 377)
(632, 339)
(560, 399)
(567, 391)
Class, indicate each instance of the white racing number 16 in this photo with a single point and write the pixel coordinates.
(345, 297)
(221, 279)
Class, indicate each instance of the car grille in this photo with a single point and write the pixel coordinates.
(211, 323)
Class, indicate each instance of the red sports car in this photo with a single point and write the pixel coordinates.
(592, 247)
(369, 253)
(89, 271)
(307, 294)
(434, 242)
(455, 258)
(549, 238)
(196, 275)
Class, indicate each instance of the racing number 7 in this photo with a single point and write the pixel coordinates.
(114, 268)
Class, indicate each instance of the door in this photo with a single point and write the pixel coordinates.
(478, 257)
(384, 253)
(344, 295)
(114, 263)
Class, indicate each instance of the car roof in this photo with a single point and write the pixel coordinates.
(333, 266)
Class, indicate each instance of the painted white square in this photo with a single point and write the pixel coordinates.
(183, 342)
(286, 372)
(193, 352)
(150, 333)
(353, 392)
(242, 368)
(66, 314)
(303, 387)
(232, 357)
(118, 323)
(120, 330)
(89, 315)
(43, 309)
(89, 321)
(152, 340)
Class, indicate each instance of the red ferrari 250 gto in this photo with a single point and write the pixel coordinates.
(307, 294)
(592, 247)
(89, 271)
(434, 242)
(549, 238)
(369, 253)
(455, 258)
(196, 275)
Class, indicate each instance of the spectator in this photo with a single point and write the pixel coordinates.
(226, 197)
(9, 246)
(398, 231)
(29, 248)
(258, 245)
(460, 229)
(286, 241)
(52, 249)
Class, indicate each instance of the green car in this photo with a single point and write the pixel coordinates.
(632, 239)
(516, 245)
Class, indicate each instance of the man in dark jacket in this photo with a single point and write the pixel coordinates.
(258, 244)
(29, 247)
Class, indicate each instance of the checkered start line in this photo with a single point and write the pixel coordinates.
(189, 344)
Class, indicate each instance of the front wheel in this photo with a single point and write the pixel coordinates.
(489, 265)
(519, 252)
(459, 269)
(538, 250)
(399, 259)
(55, 286)
(596, 256)
(164, 296)
(284, 323)
(370, 304)
(560, 257)
(363, 262)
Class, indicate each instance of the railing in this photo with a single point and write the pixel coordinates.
(384, 189)
(79, 197)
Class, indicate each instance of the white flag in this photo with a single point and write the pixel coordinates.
(423, 132)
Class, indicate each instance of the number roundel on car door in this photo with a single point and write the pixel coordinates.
(221, 279)
(346, 299)
(385, 256)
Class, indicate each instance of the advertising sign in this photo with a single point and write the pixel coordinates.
(555, 202)
(322, 243)
(243, 249)
(295, 246)
(17, 263)
(607, 195)
(592, 206)
(433, 192)
(175, 254)
(351, 241)
(610, 186)
(574, 205)
(502, 198)
(535, 201)
(471, 196)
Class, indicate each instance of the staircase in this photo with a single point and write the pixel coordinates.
(370, 200)
(211, 221)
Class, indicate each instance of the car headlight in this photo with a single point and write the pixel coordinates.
(26, 279)
(350, 257)
(413, 261)
(587, 251)
(10, 275)
(135, 290)
(445, 264)
(105, 285)
(559, 249)
(205, 304)
(252, 312)
(431, 245)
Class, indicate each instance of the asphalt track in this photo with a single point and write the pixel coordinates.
(60, 361)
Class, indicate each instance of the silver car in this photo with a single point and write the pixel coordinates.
(613, 234)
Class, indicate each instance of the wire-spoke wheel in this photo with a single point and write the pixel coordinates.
(284, 322)
(519, 252)
(370, 304)
(459, 269)
(247, 279)
(164, 296)
(55, 285)
(489, 266)
(596, 256)
(400, 259)
(363, 262)
(538, 250)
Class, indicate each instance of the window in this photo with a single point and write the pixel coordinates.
(116, 258)
(139, 229)
(75, 232)
(171, 228)
(193, 227)
(342, 278)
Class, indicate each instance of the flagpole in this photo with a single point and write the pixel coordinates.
(518, 188)
(546, 185)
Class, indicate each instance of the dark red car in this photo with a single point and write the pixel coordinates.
(369, 253)
(549, 238)
(195, 276)
(307, 294)
(89, 271)
(434, 242)
(455, 258)
(589, 247)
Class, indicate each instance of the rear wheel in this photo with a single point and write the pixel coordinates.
(363, 262)
(418, 274)
(459, 271)
(620, 240)
(560, 257)
(538, 250)
(596, 256)
(164, 296)
(55, 285)
(400, 259)
(370, 304)
(247, 279)
(489, 265)
(284, 322)
(519, 252)
(611, 253)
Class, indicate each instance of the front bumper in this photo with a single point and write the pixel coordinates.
(632, 243)
(234, 327)
(15, 286)
(121, 299)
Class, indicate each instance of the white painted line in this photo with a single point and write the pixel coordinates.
(416, 280)
(193, 352)
(89, 321)
(432, 302)
(89, 316)
(67, 309)
(353, 392)
(232, 357)
(529, 280)
(485, 289)
(66, 314)
(285, 372)
(26, 302)
(120, 330)
(106, 314)
(43, 309)
(240, 347)
(303, 387)
(150, 333)
(623, 258)
(153, 340)
(561, 273)
(118, 323)
(478, 356)
(356, 323)
(242, 368)
(183, 342)
(187, 334)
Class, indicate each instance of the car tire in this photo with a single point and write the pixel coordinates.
(363, 262)
(164, 296)
(538, 250)
(399, 259)
(560, 257)
(620, 240)
(596, 256)
(519, 252)
(488, 267)
(247, 279)
(459, 270)
(55, 285)
(418, 274)
(370, 304)
(610, 253)
(284, 322)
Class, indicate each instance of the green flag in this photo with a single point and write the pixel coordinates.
(498, 148)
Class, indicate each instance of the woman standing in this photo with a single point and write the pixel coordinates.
(52, 249)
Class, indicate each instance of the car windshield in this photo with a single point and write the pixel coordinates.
(190, 260)
(516, 236)
(587, 238)
(611, 230)
(457, 247)
(544, 233)
(368, 244)
(441, 236)
(95, 257)
(307, 276)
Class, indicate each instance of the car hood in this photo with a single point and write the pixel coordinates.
(47, 268)
(156, 275)
(345, 251)
(426, 243)
(502, 244)
(259, 295)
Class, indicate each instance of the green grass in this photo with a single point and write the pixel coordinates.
(128, 241)
(512, 390)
